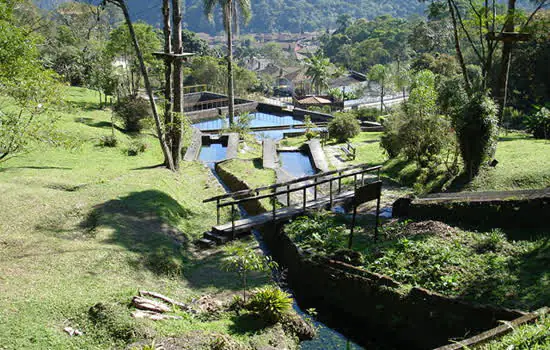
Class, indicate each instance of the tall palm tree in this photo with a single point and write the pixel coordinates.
(318, 71)
(231, 9)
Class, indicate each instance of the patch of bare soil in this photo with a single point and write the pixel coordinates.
(430, 227)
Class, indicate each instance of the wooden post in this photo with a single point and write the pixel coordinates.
(339, 182)
(288, 196)
(305, 199)
(274, 199)
(353, 218)
(218, 211)
(377, 219)
(330, 192)
(233, 221)
(315, 189)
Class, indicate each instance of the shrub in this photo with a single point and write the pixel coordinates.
(368, 113)
(108, 141)
(477, 131)
(133, 111)
(539, 123)
(343, 127)
(514, 119)
(270, 303)
(319, 233)
(390, 141)
(136, 147)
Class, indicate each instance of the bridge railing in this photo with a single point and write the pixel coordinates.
(332, 178)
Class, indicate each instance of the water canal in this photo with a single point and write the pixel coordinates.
(297, 164)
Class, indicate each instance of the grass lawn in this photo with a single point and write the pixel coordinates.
(524, 163)
(90, 225)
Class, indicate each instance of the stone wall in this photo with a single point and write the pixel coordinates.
(376, 308)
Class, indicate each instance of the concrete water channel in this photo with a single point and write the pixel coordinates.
(297, 163)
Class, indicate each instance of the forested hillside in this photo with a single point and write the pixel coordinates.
(276, 15)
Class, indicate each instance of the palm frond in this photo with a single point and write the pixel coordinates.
(209, 6)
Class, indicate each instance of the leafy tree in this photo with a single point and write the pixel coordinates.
(418, 131)
(212, 71)
(380, 74)
(477, 132)
(31, 88)
(318, 71)
(242, 259)
(121, 50)
(168, 159)
(344, 126)
(230, 13)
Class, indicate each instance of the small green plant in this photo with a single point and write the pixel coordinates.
(318, 233)
(108, 141)
(242, 259)
(310, 126)
(237, 304)
(344, 126)
(493, 241)
(241, 124)
(270, 303)
(136, 147)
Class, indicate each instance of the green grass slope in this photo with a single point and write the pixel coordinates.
(88, 224)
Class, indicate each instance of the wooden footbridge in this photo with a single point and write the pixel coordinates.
(287, 200)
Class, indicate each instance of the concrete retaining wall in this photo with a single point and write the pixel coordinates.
(207, 114)
(235, 184)
(372, 307)
(318, 155)
(509, 209)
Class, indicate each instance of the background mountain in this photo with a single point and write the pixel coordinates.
(271, 16)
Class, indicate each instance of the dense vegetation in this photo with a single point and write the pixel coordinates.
(486, 267)
(271, 16)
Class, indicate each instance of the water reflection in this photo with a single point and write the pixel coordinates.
(297, 164)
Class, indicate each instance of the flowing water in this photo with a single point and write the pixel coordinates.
(297, 164)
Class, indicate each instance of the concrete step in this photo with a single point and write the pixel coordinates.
(206, 243)
(218, 238)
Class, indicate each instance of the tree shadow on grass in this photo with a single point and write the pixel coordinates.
(98, 124)
(35, 168)
(525, 284)
(145, 223)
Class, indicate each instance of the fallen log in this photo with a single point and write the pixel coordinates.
(150, 305)
(166, 299)
(153, 315)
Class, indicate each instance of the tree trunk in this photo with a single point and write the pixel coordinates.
(177, 127)
(458, 49)
(502, 87)
(160, 131)
(167, 31)
(230, 92)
